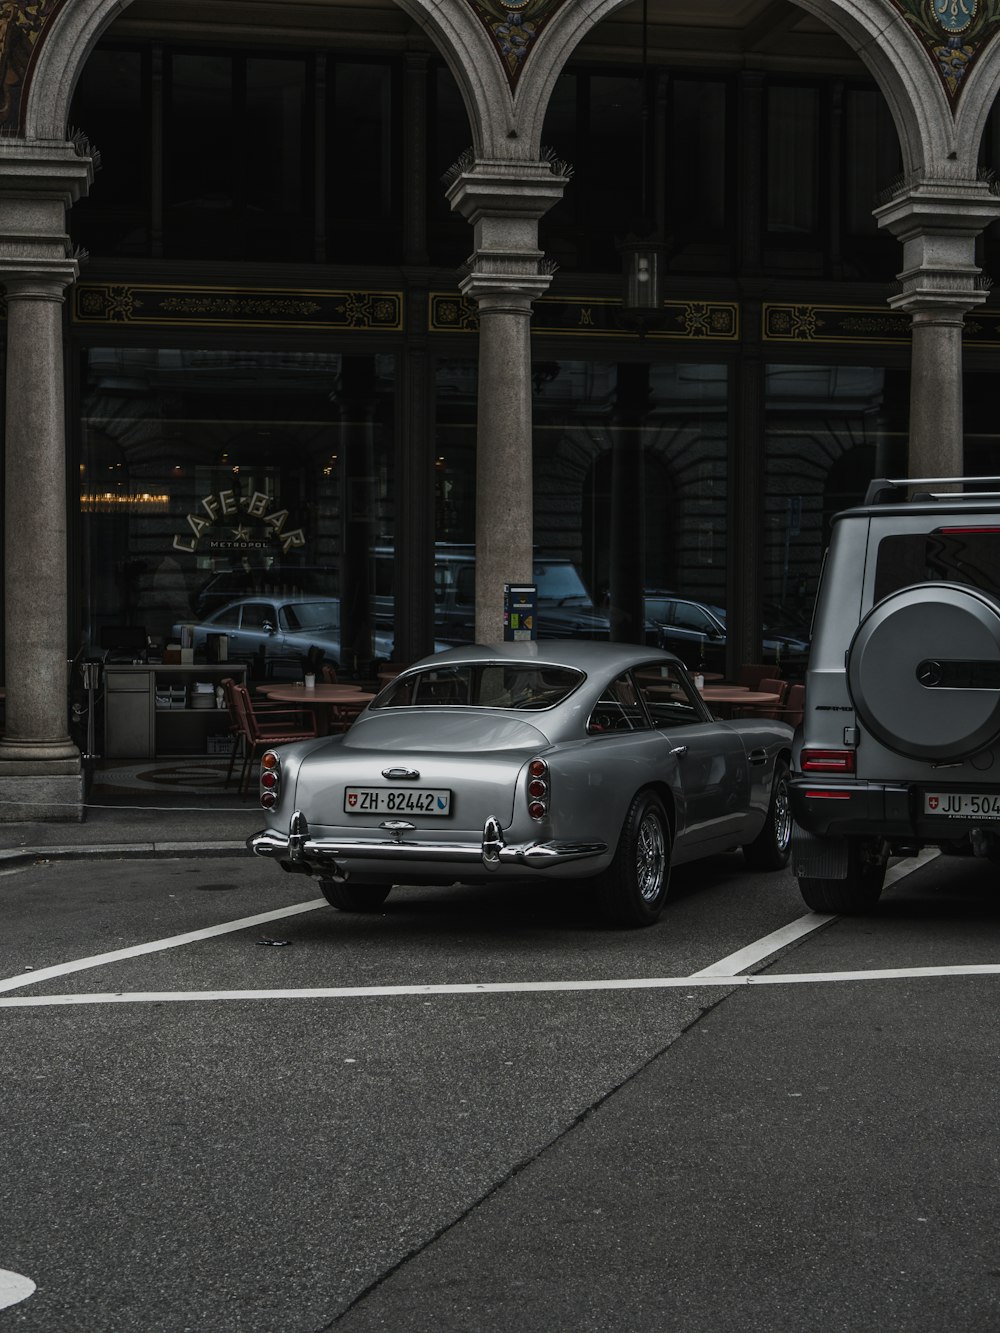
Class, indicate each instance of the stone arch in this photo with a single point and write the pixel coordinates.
(980, 91)
(882, 38)
(453, 28)
(506, 123)
(71, 37)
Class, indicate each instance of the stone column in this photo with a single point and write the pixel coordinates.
(507, 274)
(40, 767)
(35, 528)
(937, 223)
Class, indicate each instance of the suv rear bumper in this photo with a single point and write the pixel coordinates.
(890, 810)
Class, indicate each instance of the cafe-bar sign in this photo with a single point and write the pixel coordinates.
(226, 505)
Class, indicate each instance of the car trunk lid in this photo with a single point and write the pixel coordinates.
(475, 755)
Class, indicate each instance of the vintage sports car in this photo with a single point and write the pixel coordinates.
(540, 761)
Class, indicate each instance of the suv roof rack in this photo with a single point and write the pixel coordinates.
(889, 490)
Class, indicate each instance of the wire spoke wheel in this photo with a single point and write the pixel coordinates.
(634, 887)
(770, 849)
(650, 857)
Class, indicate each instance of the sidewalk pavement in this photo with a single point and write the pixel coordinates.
(179, 826)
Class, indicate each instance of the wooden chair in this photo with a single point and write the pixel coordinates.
(794, 706)
(765, 686)
(261, 727)
(752, 673)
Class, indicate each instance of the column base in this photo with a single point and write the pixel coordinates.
(37, 791)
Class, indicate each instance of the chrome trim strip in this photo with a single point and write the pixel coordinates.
(320, 852)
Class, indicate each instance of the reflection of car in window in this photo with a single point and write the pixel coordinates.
(277, 634)
(696, 632)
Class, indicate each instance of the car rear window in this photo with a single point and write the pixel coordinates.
(968, 554)
(482, 685)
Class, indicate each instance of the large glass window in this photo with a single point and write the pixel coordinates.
(216, 158)
(829, 431)
(698, 168)
(871, 162)
(363, 194)
(234, 157)
(214, 477)
(629, 483)
(449, 136)
(792, 160)
(111, 107)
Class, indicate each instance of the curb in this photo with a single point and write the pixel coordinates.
(121, 851)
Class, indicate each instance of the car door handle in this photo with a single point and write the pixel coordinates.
(758, 756)
(678, 752)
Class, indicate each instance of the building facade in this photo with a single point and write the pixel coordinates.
(314, 293)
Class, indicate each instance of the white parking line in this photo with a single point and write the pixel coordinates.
(154, 946)
(764, 947)
(14, 1288)
(498, 987)
(725, 972)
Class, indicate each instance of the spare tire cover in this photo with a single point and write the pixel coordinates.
(922, 627)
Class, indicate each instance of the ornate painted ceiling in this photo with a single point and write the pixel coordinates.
(514, 25)
(954, 32)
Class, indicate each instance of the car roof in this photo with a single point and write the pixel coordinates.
(580, 654)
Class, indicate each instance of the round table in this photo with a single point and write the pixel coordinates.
(738, 696)
(336, 706)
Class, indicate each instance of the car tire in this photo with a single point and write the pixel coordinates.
(898, 672)
(634, 887)
(354, 897)
(771, 847)
(861, 888)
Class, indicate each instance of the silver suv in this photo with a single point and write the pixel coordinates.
(899, 746)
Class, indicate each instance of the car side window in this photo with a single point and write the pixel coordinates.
(668, 696)
(688, 616)
(619, 709)
(227, 618)
(259, 615)
(465, 586)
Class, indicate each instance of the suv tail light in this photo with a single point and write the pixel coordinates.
(828, 761)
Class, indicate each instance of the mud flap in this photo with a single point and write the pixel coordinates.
(818, 858)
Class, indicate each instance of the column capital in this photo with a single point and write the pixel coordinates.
(938, 222)
(39, 181)
(504, 201)
(35, 279)
(516, 189)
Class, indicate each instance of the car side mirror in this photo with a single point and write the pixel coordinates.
(268, 628)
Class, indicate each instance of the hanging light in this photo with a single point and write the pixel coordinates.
(644, 249)
(644, 261)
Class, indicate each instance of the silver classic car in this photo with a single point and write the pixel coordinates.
(529, 761)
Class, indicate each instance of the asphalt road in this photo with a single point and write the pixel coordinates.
(483, 1111)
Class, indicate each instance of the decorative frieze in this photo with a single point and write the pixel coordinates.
(149, 305)
(862, 325)
(588, 317)
(833, 324)
(137, 306)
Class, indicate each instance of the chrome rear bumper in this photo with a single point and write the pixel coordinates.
(332, 856)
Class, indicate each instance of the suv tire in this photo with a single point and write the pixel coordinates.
(861, 888)
(895, 658)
